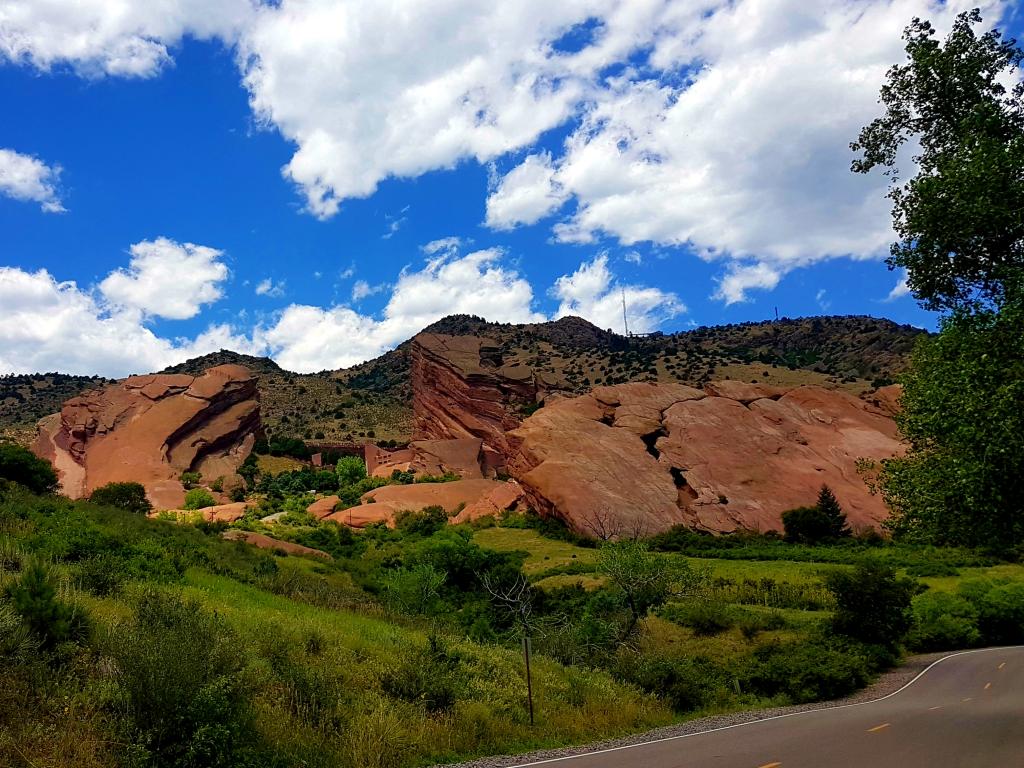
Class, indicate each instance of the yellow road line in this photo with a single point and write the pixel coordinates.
(987, 686)
(878, 727)
(1001, 665)
(967, 699)
(770, 765)
(934, 708)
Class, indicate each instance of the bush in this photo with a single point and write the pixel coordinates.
(25, 468)
(53, 621)
(872, 604)
(704, 617)
(190, 479)
(128, 496)
(199, 498)
(687, 684)
(178, 671)
(432, 677)
(814, 525)
(807, 671)
(426, 522)
(943, 622)
(1000, 610)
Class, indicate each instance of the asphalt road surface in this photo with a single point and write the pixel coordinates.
(964, 711)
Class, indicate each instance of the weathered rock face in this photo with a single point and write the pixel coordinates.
(152, 428)
(460, 456)
(382, 504)
(639, 458)
(462, 389)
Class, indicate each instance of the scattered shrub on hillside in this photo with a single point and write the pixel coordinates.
(704, 617)
(178, 671)
(432, 677)
(190, 479)
(872, 603)
(811, 670)
(128, 496)
(34, 597)
(25, 468)
(413, 590)
(1000, 609)
(17, 644)
(199, 498)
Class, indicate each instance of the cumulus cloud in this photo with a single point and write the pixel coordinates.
(361, 289)
(740, 278)
(50, 325)
(307, 338)
(121, 39)
(267, 287)
(592, 293)
(23, 177)
(167, 279)
(525, 194)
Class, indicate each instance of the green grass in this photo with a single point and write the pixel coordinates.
(543, 554)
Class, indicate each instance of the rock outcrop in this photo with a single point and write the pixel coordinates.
(150, 429)
(460, 456)
(382, 504)
(463, 389)
(268, 542)
(639, 458)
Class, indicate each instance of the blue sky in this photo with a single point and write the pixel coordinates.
(315, 181)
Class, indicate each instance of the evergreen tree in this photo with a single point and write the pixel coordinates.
(832, 513)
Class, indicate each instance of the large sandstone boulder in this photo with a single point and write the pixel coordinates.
(459, 456)
(462, 389)
(639, 458)
(152, 428)
(268, 542)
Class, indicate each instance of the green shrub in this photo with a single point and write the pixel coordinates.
(432, 677)
(687, 684)
(823, 522)
(704, 617)
(931, 570)
(350, 470)
(943, 622)
(807, 671)
(25, 468)
(1000, 610)
(128, 496)
(872, 604)
(190, 479)
(426, 522)
(199, 498)
(53, 621)
(178, 672)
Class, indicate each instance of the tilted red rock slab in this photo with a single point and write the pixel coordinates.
(150, 429)
(639, 458)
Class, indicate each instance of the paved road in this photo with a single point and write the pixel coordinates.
(965, 711)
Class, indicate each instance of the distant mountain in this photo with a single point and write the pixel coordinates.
(373, 399)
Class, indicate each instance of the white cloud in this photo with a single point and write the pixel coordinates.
(901, 289)
(361, 289)
(448, 245)
(592, 293)
(634, 257)
(267, 287)
(525, 194)
(733, 286)
(824, 304)
(307, 338)
(55, 326)
(23, 177)
(111, 37)
(167, 279)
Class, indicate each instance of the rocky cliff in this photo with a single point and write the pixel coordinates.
(639, 458)
(150, 429)
(463, 389)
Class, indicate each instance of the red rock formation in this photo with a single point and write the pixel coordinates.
(219, 513)
(462, 457)
(268, 542)
(640, 458)
(462, 389)
(152, 428)
(382, 504)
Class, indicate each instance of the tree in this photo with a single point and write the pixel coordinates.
(825, 521)
(872, 604)
(127, 496)
(960, 219)
(34, 598)
(350, 470)
(199, 498)
(962, 479)
(643, 579)
(24, 467)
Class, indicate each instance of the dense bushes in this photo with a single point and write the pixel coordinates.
(127, 496)
(823, 522)
(199, 498)
(25, 468)
(178, 671)
(872, 603)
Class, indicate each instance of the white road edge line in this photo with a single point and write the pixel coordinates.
(919, 675)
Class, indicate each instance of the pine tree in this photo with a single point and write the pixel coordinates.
(830, 510)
